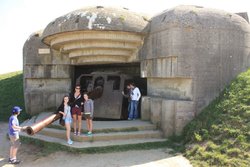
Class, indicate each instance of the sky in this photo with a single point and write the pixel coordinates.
(20, 18)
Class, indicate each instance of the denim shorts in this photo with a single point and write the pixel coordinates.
(68, 120)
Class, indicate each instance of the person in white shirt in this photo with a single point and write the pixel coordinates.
(135, 97)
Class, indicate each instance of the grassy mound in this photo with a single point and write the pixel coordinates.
(11, 91)
(220, 135)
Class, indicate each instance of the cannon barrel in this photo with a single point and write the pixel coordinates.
(31, 130)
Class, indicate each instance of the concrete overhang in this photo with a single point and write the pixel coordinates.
(84, 47)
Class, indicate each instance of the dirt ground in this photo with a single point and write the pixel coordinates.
(31, 157)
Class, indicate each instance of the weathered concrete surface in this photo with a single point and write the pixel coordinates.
(191, 54)
(97, 35)
(97, 18)
(169, 115)
(47, 76)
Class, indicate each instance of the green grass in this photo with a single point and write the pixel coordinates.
(220, 135)
(11, 91)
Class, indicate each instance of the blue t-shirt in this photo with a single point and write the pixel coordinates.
(13, 121)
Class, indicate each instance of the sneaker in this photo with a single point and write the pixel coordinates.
(9, 160)
(15, 161)
(129, 119)
(78, 133)
(70, 142)
(89, 134)
(75, 133)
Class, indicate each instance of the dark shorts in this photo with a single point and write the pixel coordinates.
(76, 111)
(87, 116)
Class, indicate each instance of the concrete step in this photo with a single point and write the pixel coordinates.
(90, 143)
(56, 133)
(105, 133)
(116, 126)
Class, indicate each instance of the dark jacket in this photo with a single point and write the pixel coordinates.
(76, 102)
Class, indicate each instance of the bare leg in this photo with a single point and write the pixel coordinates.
(74, 122)
(87, 121)
(11, 152)
(14, 152)
(67, 131)
(90, 125)
(79, 118)
(14, 147)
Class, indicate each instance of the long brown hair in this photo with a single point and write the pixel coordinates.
(62, 104)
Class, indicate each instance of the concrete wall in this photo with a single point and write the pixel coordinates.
(169, 115)
(191, 54)
(47, 76)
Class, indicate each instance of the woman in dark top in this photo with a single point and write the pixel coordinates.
(76, 103)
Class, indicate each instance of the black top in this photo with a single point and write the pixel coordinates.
(60, 108)
(76, 101)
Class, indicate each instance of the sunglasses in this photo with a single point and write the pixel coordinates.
(77, 88)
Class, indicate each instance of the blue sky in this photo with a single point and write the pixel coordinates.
(20, 18)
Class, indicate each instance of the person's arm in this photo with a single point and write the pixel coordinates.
(16, 127)
(59, 109)
(92, 108)
(125, 95)
(138, 94)
(62, 113)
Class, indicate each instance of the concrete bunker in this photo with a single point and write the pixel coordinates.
(186, 56)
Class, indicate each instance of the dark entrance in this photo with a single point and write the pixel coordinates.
(104, 83)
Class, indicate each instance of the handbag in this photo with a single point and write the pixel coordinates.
(62, 121)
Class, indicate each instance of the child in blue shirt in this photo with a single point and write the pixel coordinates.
(14, 130)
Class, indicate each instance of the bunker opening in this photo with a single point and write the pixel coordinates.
(105, 83)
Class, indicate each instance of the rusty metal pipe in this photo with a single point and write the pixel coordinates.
(31, 130)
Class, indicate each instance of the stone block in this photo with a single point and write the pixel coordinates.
(168, 117)
(50, 85)
(34, 71)
(155, 110)
(145, 108)
(49, 101)
(170, 88)
(47, 71)
(34, 101)
(184, 113)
